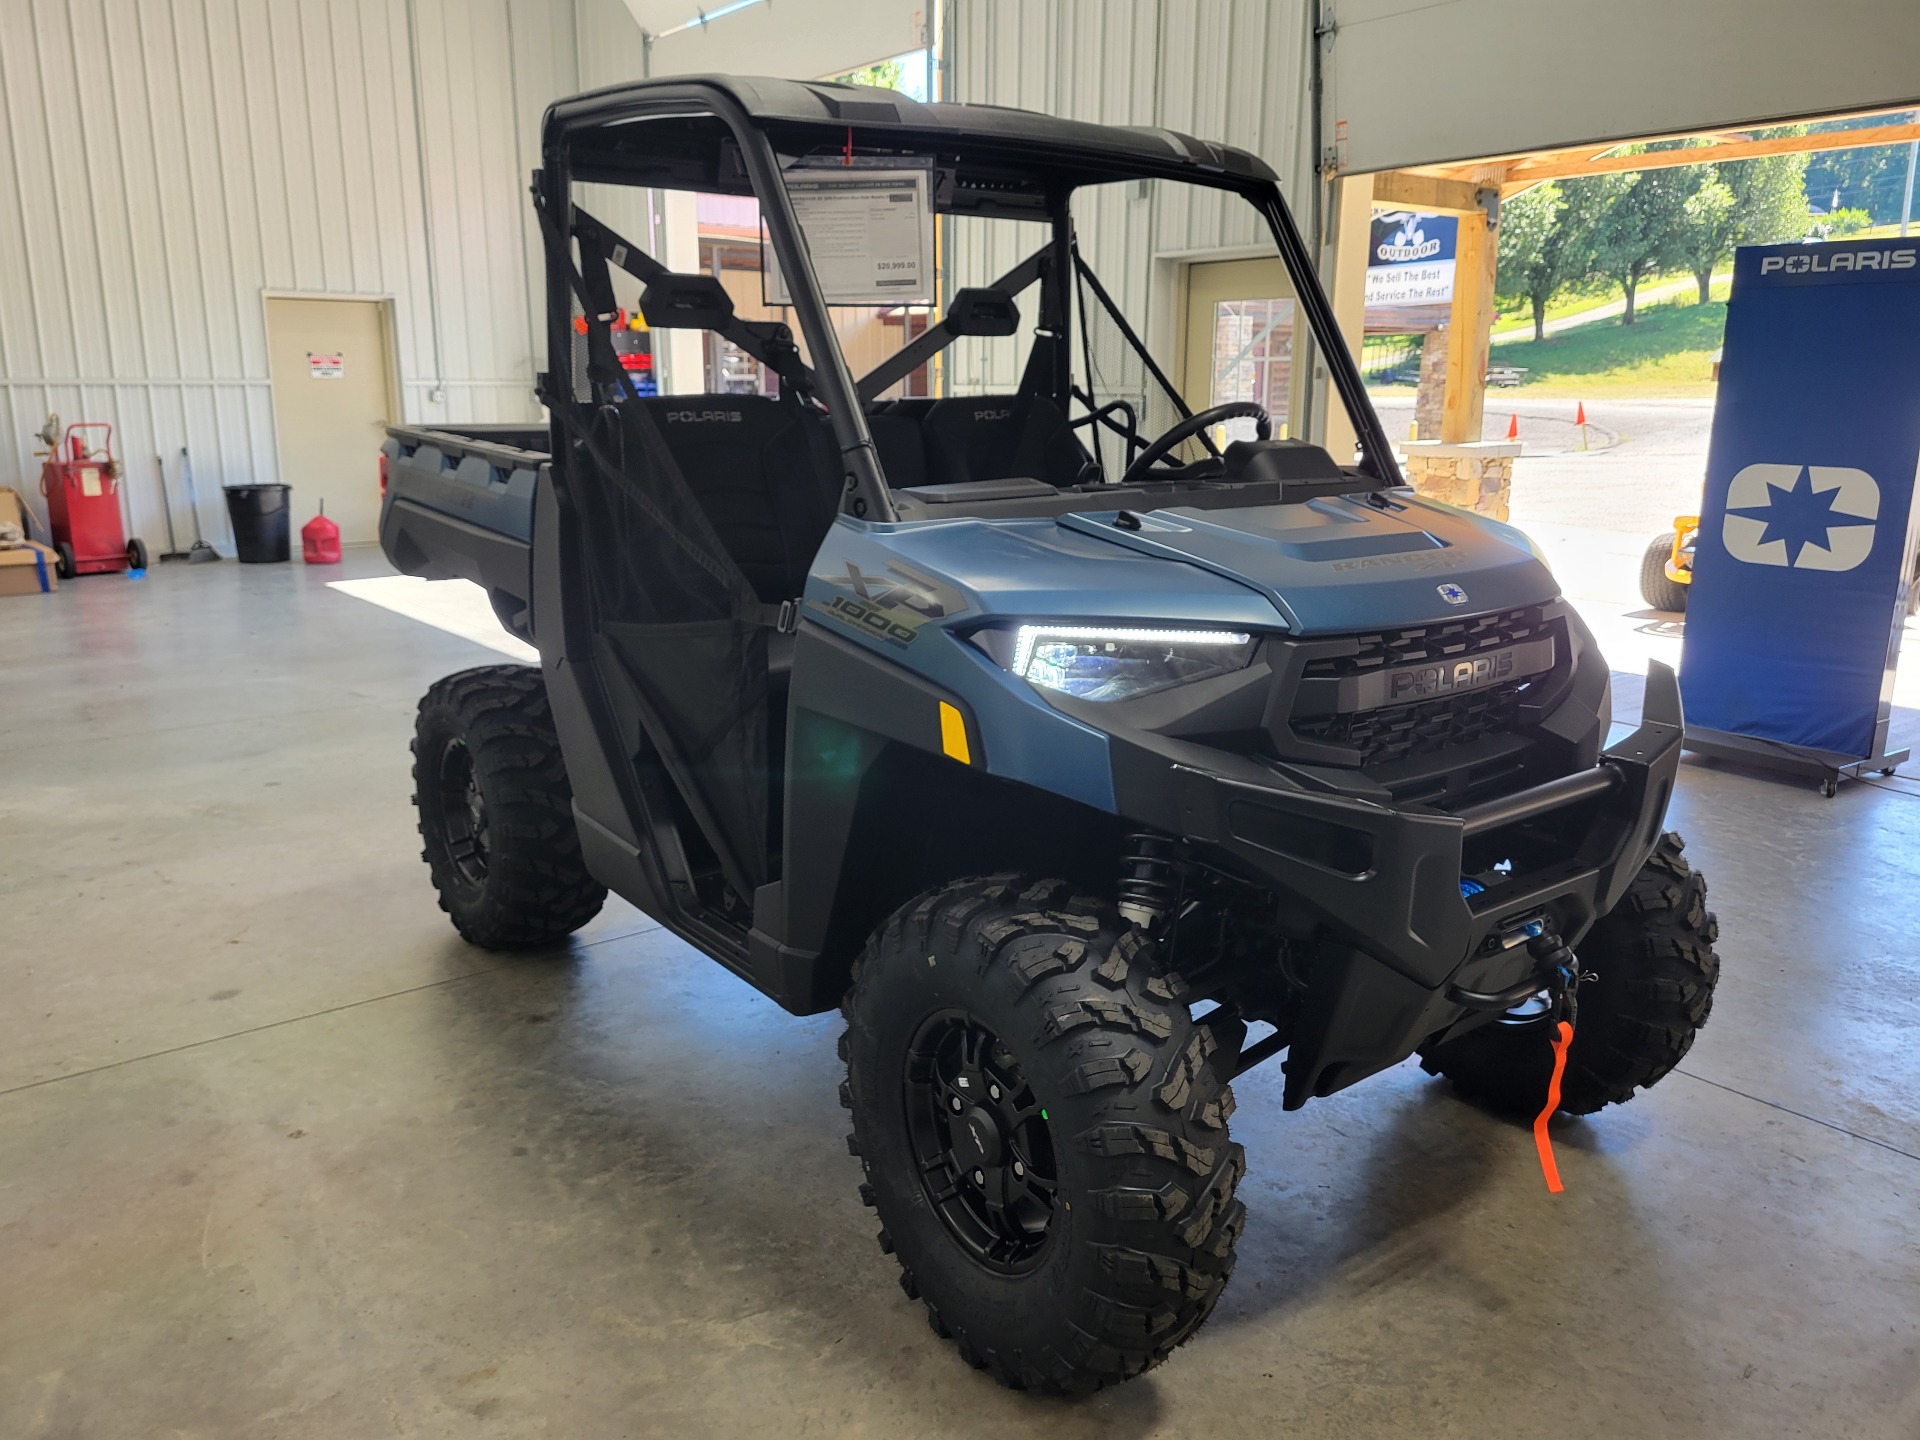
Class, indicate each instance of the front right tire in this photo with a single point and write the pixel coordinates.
(1043, 1131)
(1654, 969)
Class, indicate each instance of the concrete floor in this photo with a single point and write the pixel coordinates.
(280, 1156)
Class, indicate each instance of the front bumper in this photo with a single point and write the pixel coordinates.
(1380, 887)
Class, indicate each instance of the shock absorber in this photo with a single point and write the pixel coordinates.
(1148, 887)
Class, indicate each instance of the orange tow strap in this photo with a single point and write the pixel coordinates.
(1562, 1039)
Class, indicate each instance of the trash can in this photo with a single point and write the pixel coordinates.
(260, 517)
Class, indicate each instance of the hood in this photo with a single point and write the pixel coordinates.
(1338, 565)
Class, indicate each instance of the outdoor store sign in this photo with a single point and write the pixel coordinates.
(869, 231)
(1410, 259)
(1807, 534)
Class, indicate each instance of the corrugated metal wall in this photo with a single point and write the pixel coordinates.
(1232, 70)
(176, 159)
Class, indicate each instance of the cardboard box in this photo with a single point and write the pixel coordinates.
(28, 569)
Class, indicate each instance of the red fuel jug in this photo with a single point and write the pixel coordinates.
(320, 539)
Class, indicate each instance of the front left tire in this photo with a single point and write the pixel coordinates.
(1043, 1132)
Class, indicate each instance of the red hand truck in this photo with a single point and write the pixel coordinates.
(82, 487)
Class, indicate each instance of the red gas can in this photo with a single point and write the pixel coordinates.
(82, 486)
(320, 539)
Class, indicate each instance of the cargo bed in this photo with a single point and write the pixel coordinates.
(459, 505)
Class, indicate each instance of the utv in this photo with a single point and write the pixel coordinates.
(1087, 737)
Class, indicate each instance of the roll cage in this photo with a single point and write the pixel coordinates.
(727, 135)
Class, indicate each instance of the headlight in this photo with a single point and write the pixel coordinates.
(1099, 662)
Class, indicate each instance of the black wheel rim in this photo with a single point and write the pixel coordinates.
(981, 1143)
(463, 813)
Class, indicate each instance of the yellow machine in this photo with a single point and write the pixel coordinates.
(1666, 569)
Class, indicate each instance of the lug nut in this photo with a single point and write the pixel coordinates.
(957, 1106)
(994, 1091)
(1018, 1168)
(979, 1177)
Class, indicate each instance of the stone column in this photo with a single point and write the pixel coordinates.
(1475, 476)
(1433, 385)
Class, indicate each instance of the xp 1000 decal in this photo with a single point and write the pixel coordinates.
(892, 604)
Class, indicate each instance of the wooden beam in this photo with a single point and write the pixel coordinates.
(1469, 330)
(1397, 190)
(1471, 170)
(1558, 168)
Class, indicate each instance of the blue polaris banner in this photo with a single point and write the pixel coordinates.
(1805, 542)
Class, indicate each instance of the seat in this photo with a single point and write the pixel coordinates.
(764, 475)
(1000, 437)
(897, 443)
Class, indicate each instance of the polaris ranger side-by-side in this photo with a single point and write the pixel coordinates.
(1085, 748)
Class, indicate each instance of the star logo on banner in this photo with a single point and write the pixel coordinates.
(1803, 517)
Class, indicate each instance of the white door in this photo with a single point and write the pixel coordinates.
(332, 396)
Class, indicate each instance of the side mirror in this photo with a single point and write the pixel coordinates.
(686, 302)
(981, 312)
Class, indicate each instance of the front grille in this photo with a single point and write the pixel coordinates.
(1397, 731)
(1424, 727)
(1382, 649)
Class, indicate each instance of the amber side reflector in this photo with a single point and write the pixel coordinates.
(953, 734)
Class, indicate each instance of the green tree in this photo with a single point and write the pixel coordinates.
(1547, 240)
(1743, 202)
(1710, 231)
(1643, 230)
(1527, 267)
(882, 75)
(1838, 224)
(1871, 178)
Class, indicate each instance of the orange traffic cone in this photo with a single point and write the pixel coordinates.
(1513, 427)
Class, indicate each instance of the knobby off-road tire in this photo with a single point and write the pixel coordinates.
(1104, 1127)
(496, 811)
(1656, 968)
(1660, 590)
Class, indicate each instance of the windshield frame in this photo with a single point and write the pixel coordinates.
(1061, 167)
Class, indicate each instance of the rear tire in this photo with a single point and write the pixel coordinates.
(1080, 1223)
(1659, 589)
(1656, 969)
(63, 565)
(136, 554)
(496, 811)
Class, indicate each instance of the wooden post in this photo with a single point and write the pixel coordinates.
(1469, 329)
(1353, 212)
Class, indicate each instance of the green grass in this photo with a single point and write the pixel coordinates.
(1512, 319)
(1667, 351)
(1521, 317)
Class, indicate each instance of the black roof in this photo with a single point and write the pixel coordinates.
(1094, 153)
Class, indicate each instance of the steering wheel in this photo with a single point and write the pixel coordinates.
(1193, 425)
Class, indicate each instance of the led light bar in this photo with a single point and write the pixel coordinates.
(1029, 636)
